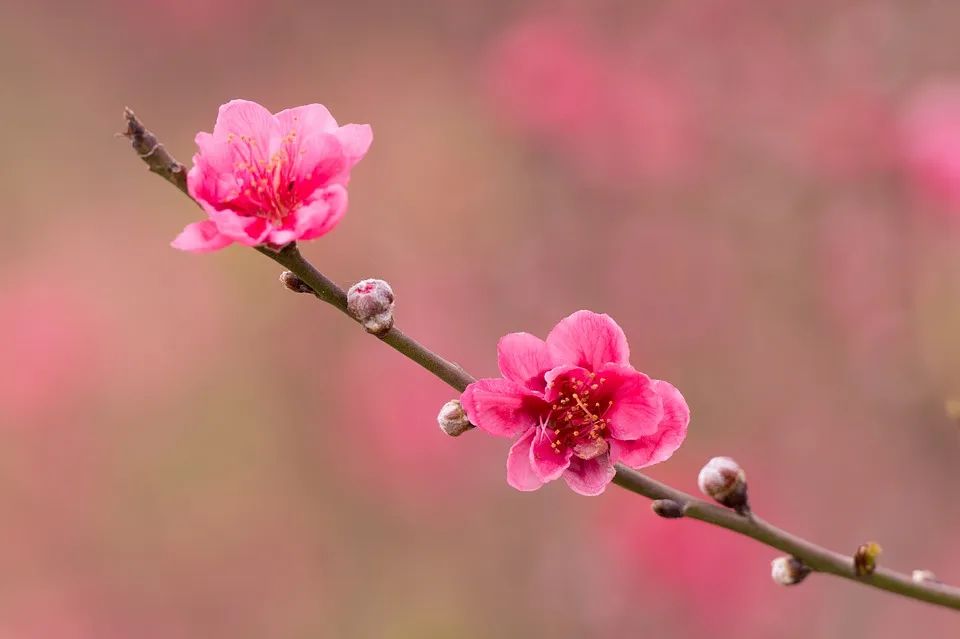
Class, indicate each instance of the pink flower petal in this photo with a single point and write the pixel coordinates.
(589, 476)
(589, 340)
(250, 123)
(637, 408)
(321, 212)
(524, 358)
(243, 229)
(520, 473)
(258, 231)
(309, 117)
(501, 407)
(320, 161)
(547, 463)
(556, 375)
(659, 446)
(355, 140)
(201, 237)
(211, 178)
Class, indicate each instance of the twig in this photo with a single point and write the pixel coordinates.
(813, 556)
(153, 153)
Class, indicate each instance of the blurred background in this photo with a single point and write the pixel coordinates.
(765, 194)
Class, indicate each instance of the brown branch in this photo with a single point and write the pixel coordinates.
(153, 152)
(813, 556)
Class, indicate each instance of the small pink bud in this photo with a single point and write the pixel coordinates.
(723, 480)
(370, 302)
(667, 508)
(292, 282)
(452, 419)
(788, 571)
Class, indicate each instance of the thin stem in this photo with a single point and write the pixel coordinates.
(290, 258)
(815, 557)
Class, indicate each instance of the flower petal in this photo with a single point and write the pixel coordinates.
(637, 408)
(659, 446)
(311, 140)
(212, 177)
(321, 212)
(589, 476)
(250, 126)
(589, 340)
(556, 376)
(547, 463)
(242, 229)
(355, 140)
(201, 237)
(309, 117)
(524, 358)
(520, 472)
(501, 407)
(319, 161)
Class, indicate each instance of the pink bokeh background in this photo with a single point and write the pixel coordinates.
(764, 194)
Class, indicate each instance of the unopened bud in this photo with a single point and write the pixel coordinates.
(723, 480)
(294, 283)
(667, 508)
(370, 302)
(865, 559)
(924, 576)
(788, 571)
(452, 419)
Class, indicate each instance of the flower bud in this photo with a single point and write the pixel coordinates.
(723, 480)
(924, 576)
(292, 282)
(452, 419)
(667, 508)
(788, 571)
(370, 302)
(865, 559)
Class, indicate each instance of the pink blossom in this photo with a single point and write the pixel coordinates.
(557, 78)
(271, 179)
(931, 142)
(577, 405)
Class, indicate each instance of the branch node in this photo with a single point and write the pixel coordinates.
(865, 559)
(667, 508)
(788, 571)
(292, 282)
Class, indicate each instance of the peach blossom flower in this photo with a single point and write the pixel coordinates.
(577, 405)
(271, 179)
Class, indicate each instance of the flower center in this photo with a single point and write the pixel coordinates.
(576, 418)
(268, 188)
